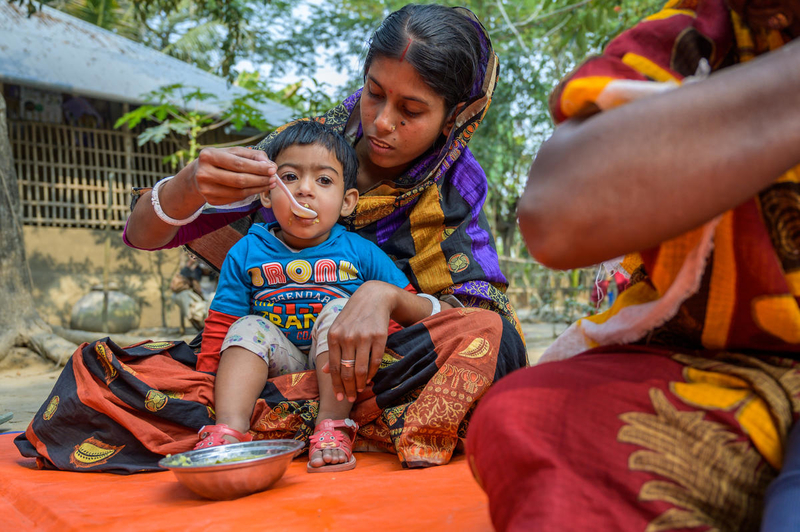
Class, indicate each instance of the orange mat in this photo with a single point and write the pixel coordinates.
(377, 495)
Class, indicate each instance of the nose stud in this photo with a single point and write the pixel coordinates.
(394, 126)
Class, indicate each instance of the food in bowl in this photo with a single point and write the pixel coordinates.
(234, 470)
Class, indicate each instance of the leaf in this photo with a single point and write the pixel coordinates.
(158, 133)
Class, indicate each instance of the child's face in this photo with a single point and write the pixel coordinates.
(314, 176)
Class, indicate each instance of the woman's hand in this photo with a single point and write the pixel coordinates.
(360, 330)
(359, 333)
(218, 176)
(226, 175)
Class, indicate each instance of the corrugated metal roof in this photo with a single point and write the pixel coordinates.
(55, 51)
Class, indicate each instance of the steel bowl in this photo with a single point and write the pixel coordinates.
(230, 471)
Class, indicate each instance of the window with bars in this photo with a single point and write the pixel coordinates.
(65, 173)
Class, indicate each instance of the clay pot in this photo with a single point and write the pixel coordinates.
(87, 313)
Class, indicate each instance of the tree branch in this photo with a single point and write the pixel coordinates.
(239, 142)
(510, 25)
(565, 9)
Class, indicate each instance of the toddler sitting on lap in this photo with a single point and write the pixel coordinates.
(281, 288)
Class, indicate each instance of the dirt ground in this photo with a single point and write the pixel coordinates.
(26, 379)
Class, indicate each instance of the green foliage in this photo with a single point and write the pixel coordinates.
(236, 30)
(112, 15)
(213, 35)
(229, 16)
(538, 42)
(176, 114)
(311, 100)
(32, 6)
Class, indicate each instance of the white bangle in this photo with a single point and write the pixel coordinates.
(437, 307)
(160, 212)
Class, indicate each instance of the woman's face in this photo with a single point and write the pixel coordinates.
(769, 14)
(401, 116)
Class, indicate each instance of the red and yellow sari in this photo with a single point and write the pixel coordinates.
(675, 413)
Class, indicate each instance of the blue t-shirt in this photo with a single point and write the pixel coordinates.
(263, 276)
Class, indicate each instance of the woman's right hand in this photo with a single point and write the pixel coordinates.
(226, 175)
(218, 176)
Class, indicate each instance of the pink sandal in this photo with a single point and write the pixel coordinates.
(211, 435)
(327, 436)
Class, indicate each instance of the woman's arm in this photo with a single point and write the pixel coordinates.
(360, 331)
(218, 176)
(632, 177)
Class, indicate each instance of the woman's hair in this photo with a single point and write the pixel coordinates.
(440, 43)
(307, 132)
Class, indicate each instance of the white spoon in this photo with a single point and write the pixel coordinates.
(297, 209)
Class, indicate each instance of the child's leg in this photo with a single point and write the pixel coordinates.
(240, 378)
(329, 406)
(781, 511)
(253, 351)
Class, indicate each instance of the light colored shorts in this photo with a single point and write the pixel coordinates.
(263, 338)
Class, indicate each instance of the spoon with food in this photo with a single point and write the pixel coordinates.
(297, 209)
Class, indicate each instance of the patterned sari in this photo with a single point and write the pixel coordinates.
(675, 413)
(120, 410)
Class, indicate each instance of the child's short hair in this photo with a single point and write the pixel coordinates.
(308, 132)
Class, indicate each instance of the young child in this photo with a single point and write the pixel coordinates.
(281, 287)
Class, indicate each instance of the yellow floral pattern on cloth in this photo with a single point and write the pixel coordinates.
(713, 472)
(675, 442)
(433, 420)
(105, 355)
(155, 400)
(93, 452)
(297, 377)
(52, 406)
(285, 420)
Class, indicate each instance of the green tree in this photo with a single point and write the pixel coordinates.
(111, 15)
(213, 35)
(178, 119)
(175, 115)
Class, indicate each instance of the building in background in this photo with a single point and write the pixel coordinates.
(66, 82)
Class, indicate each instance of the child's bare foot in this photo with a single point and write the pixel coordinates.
(331, 446)
(327, 456)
